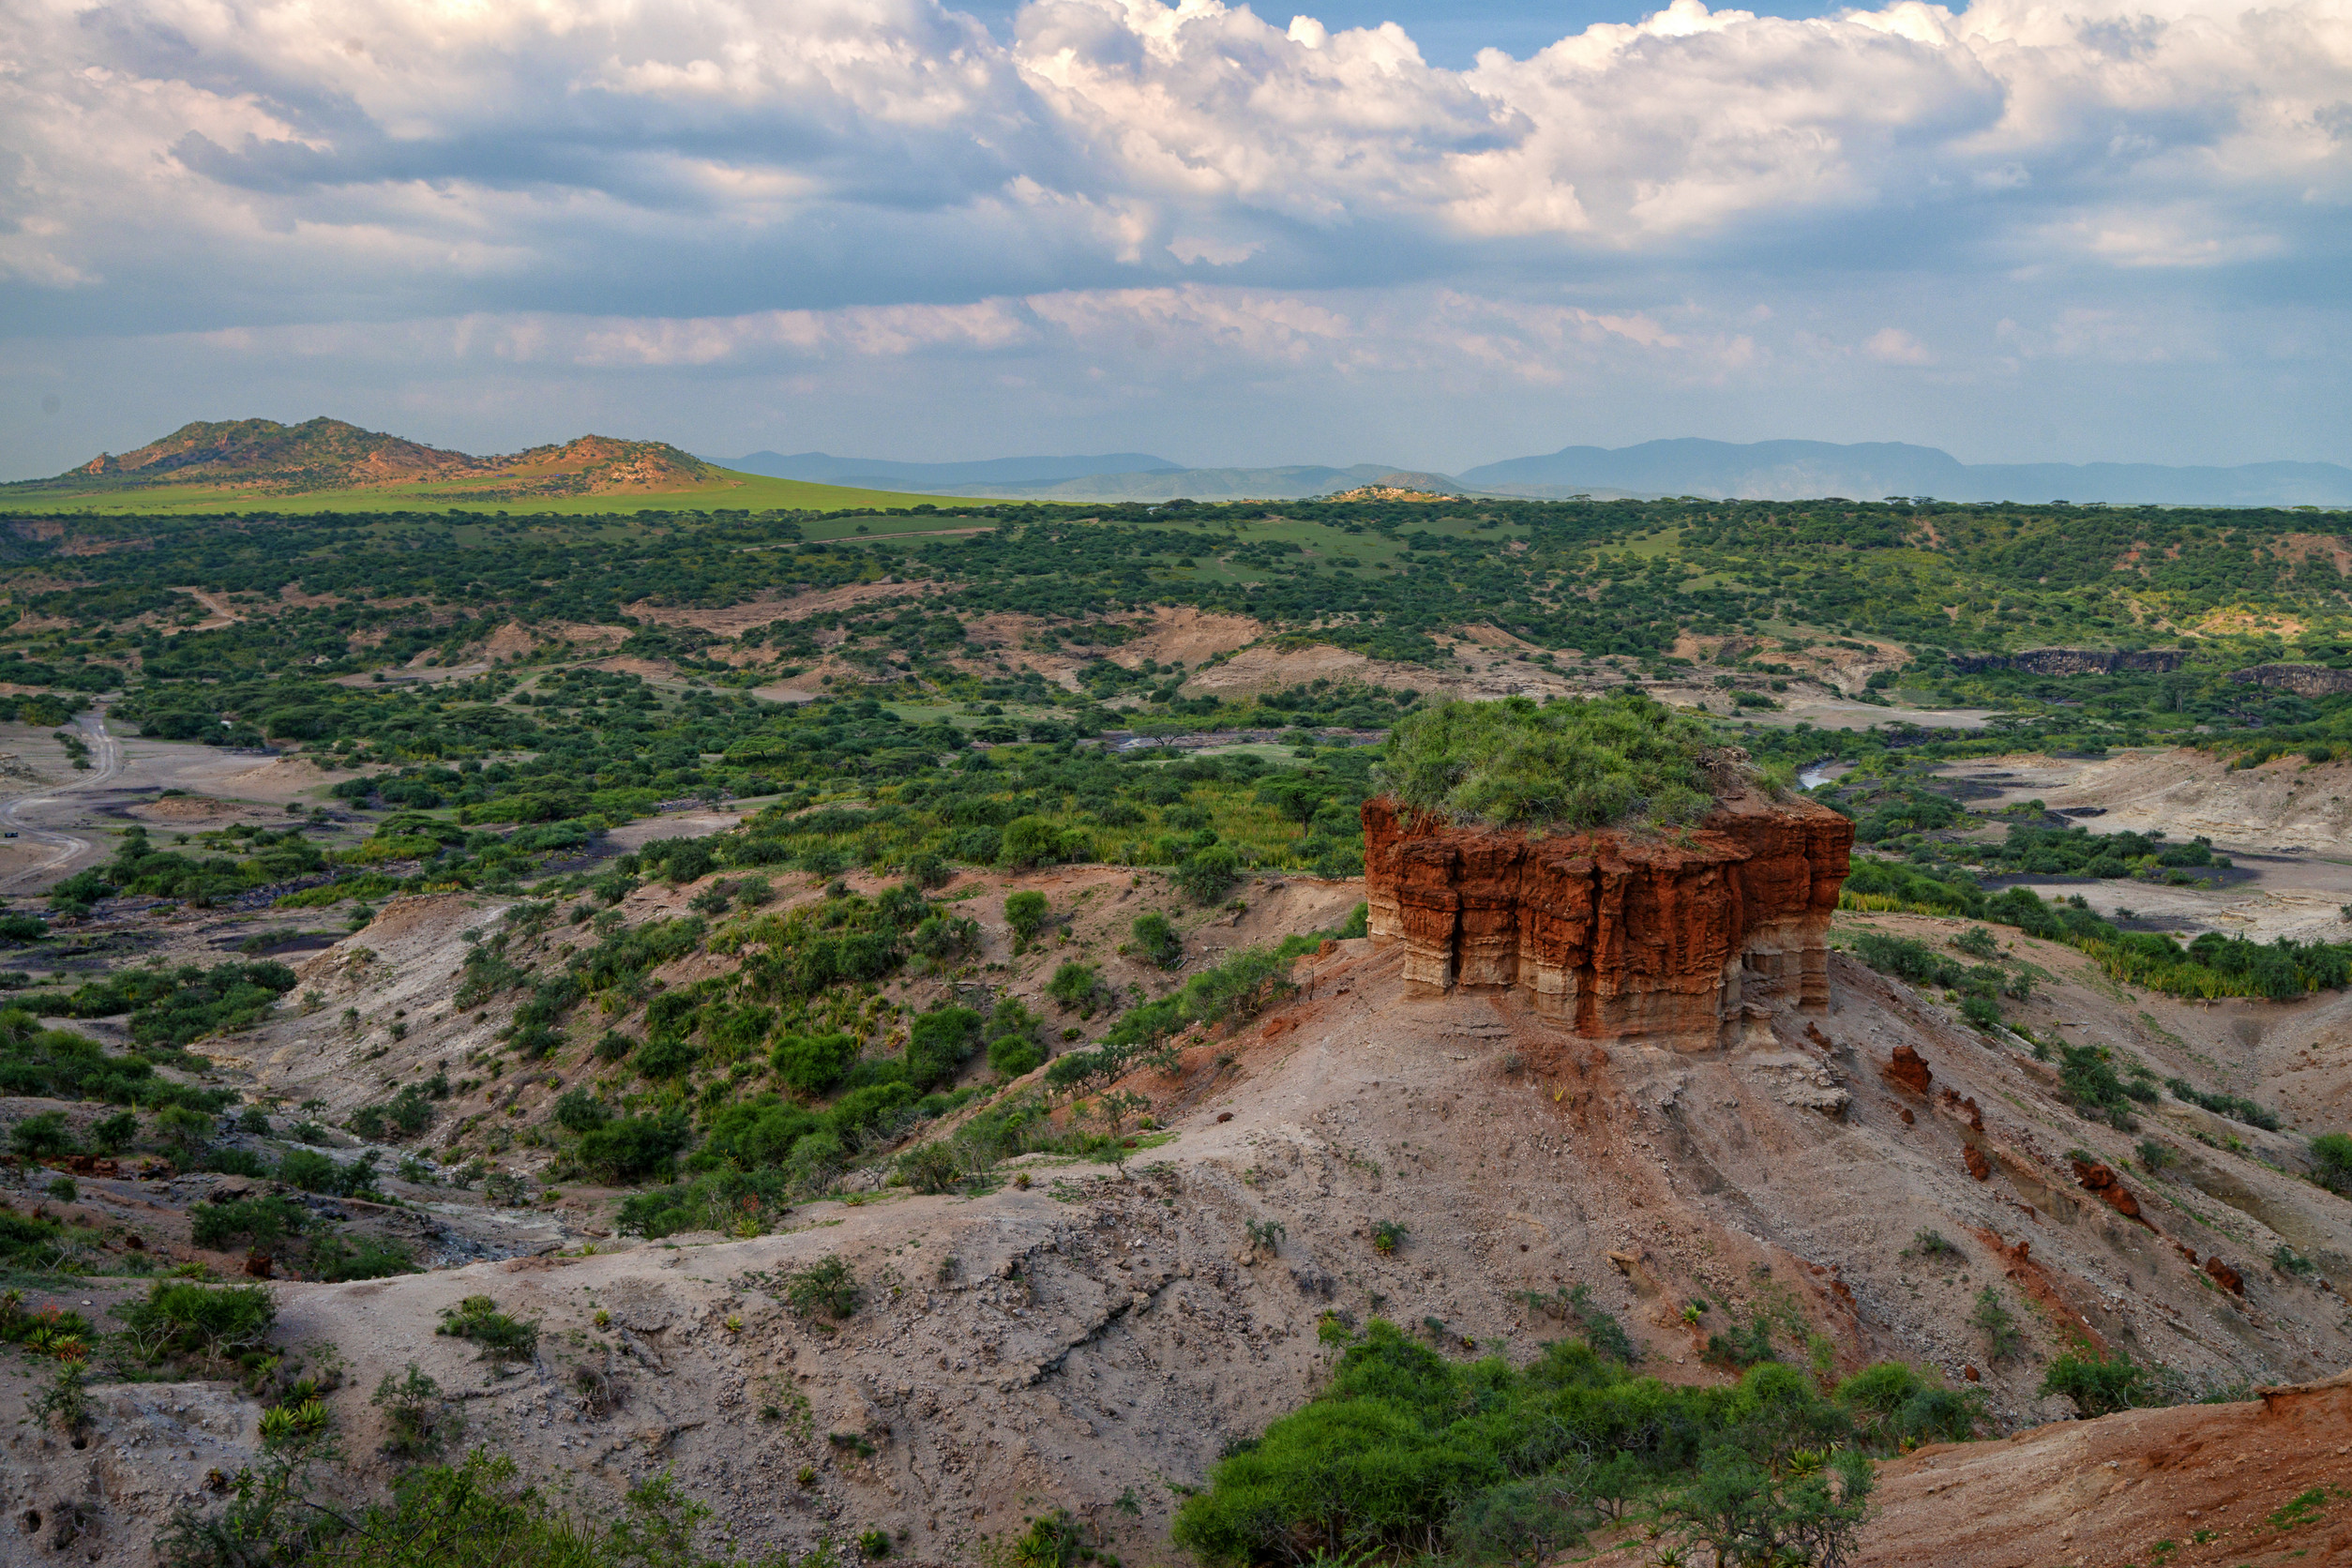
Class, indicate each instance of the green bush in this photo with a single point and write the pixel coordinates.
(239, 1162)
(727, 1199)
(1978, 942)
(1159, 939)
(632, 1148)
(2233, 1106)
(2088, 1081)
(1998, 1325)
(1030, 841)
(257, 1222)
(2098, 1385)
(418, 1420)
(578, 1110)
(826, 1288)
(17, 927)
(2331, 1162)
(665, 1055)
(939, 1042)
(501, 1337)
(1207, 875)
(1907, 960)
(308, 1171)
(181, 1318)
(480, 1514)
(943, 939)
(335, 1260)
(1026, 912)
(315, 1172)
(173, 1007)
(1014, 1055)
(43, 1137)
(111, 1135)
(930, 1168)
(1578, 763)
(1407, 1453)
(1074, 985)
(814, 1063)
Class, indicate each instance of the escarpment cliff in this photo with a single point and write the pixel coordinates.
(1618, 936)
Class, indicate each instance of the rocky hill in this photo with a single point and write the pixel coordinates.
(262, 457)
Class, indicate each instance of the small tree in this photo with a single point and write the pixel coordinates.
(1116, 1107)
(825, 1287)
(187, 1132)
(1075, 986)
(1026, 912)
(115, 1133)
(43, 1136)
(1522, 1521)
(1159, 939)
(1206, 874)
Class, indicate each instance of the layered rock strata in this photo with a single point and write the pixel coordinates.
(1621, 935)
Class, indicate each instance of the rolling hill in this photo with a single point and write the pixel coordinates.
(330, 464)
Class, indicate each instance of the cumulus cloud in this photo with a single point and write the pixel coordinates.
(1892, 345)
(879, 178)
(576, 133)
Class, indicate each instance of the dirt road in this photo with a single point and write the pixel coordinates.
(64, 851)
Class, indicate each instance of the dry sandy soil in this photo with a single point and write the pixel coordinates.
(2284, 805)
(61, 814)
(2285, 825)
(1103, 1332)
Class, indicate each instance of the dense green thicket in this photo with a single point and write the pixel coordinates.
(1575, 763)
(57, 1064)
(1406, 1452)
(1618, 579)
(2035, 849)
(261, 858)
(2210, 966)
(173, 1007)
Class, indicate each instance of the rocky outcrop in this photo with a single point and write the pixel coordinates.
(2072, 661)
(1621, 935)
(2303, 680)
(2101, 1179)
(1907, 1070)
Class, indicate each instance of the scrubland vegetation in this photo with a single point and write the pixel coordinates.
(945, 701)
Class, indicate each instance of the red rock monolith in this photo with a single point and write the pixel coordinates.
(1622, 936)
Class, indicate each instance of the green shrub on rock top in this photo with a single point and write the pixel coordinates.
(1580, 764)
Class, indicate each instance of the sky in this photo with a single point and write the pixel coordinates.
(1419, 233)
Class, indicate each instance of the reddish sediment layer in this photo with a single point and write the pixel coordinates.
(1621, 937)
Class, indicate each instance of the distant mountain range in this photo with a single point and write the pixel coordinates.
(1799, 470)
(262, 457)
(1764, 470)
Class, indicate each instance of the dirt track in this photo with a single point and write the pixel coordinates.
(43, 850)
